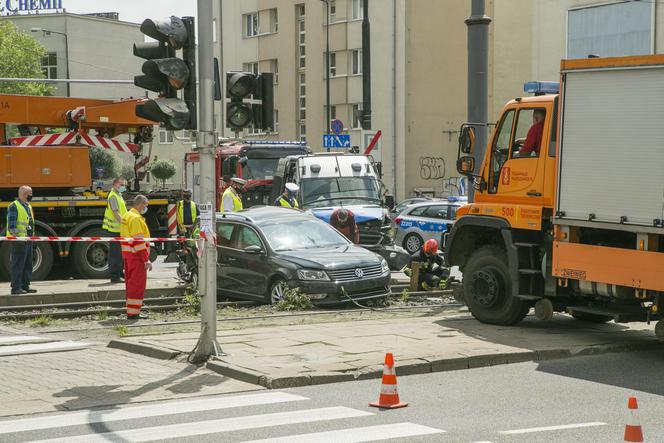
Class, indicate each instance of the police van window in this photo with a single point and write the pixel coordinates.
(500, 150)
(437, 211)
(528, 133)
(418, 211)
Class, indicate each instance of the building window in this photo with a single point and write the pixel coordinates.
(301, 77)
(303, 132)
(610, 30)
(165, 137)
(49, 65)
(251, 24)
(333, 11)
(274, 20)
(333, 64)
(358, 9)
(356, 115)
(274, 67)
(301, 38)
(333, 112)
(250, 67)
(356, 61)
(276, 120)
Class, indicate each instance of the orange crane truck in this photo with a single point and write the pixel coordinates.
(573, 222)
(45, 144)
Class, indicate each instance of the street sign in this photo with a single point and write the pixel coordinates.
(336, 141)
(337, 126)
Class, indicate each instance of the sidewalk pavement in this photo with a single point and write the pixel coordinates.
(100, 376)
(297, 355)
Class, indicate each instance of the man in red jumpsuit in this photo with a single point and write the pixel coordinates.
(344, 221)
(534, 137)
(136, 255)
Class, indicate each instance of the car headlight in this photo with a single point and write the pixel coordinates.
(385, 266)
(310, 274)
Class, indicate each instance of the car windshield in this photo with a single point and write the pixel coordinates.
(321, 192)
(302, 234)
(260, 168)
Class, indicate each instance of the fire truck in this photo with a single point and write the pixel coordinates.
(46, 142)
(253, 160)
(575, 224)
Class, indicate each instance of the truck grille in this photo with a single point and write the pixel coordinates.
(350, 275)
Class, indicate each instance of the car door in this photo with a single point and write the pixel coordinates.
(247, 272)
(435, 220)
(224, 236)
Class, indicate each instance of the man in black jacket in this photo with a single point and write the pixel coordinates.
(432, 269)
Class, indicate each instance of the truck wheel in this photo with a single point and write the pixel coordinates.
(412, 243)
(42, 260)
(487, 288)
(91, 258)
(592, 318)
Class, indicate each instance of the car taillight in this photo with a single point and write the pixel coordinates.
(397, 221)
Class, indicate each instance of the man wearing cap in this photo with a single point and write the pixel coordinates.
(289, 198)
(231, 201)
(187, 213)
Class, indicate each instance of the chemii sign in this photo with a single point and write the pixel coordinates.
(17, 6)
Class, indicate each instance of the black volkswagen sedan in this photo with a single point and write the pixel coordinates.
(262, 251)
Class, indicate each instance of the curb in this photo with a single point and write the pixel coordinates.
(405, 367)
(143, 349)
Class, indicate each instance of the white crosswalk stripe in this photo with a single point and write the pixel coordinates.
(138, 423)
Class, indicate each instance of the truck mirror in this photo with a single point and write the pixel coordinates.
(389, 201)
(243, 161)
(467, 140)
(466, 165)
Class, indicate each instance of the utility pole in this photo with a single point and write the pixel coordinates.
(366, 68)
(205, 141)
(478, 79)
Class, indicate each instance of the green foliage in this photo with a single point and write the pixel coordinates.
(102, 313)
(294, 300)
(42, 320)
(127, 172)
(162, 170)
(103, 158)
(408, 271)
(405, 295)
(21, 57)
(121, 330)
(191, 302)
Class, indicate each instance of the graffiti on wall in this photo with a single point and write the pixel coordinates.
(432, 168)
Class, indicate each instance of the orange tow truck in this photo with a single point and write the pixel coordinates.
(576, 224)
(45, 143)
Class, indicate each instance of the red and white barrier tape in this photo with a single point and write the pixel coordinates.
(108, 239)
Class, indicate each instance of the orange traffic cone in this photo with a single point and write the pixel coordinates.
(389, 397)
(633, 430)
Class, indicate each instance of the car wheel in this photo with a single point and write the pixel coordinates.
(412, 243)
(277, 290)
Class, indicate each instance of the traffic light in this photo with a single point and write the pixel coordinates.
(166, 74)
(240, 113)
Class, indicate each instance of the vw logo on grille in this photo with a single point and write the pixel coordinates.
(359, 272)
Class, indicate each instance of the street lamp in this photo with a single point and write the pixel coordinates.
(46, 32)
(327, 58)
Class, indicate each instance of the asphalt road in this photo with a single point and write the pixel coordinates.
(575, 400)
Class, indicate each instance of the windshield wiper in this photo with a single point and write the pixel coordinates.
(343, 198)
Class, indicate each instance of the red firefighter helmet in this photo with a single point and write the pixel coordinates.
(430, 247)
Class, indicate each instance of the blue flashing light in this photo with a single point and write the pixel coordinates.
(453, 198)
(275, 142)
(539, 88)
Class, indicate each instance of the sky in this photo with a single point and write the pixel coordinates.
(134, 10)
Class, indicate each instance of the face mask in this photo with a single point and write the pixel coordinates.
(29, 197)
(122, 189)
(144, 210)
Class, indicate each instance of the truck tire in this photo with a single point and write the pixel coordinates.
(591, 318)
(42, 260)
(487, 288)
(90, 259)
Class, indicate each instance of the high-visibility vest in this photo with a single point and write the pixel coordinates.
(237, 202)
(283, 201)
(110, 223)
(132, 225)
(180, 212)
(22, 219)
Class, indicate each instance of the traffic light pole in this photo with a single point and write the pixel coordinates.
(206, 139)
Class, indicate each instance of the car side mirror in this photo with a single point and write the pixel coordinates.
(253, 250)
(243, 161)
(389, 201)
(466, 165)
(467, 140)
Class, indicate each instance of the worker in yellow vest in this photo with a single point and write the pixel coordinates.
(115, 209)
(136, 254)
(231, 200)
(21, 223)
(289, 198)
(187, 214)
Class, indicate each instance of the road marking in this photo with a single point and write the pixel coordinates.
(553, 428)
(216, 426)
(39, 348)
(356, 435)
(18, 339)
(155, 410)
